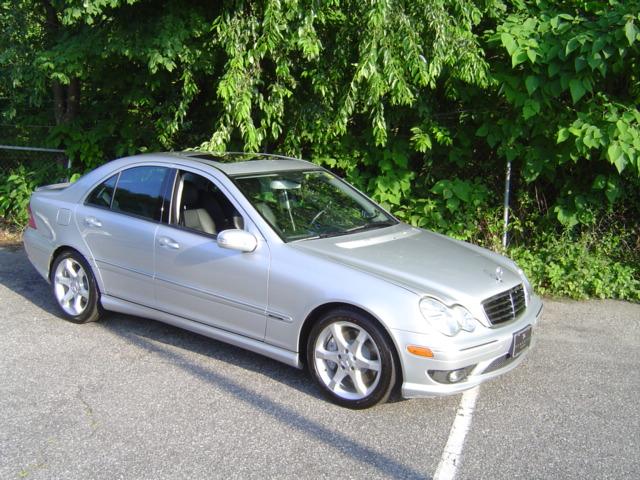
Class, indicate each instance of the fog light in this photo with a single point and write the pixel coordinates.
(451, 376)
(457, 375)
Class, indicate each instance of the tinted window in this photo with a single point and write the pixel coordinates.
(139, 191)
(103, 193)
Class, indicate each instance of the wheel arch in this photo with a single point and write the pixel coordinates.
(93, 309)
(56, 253)
(62, 248)
(321, 310)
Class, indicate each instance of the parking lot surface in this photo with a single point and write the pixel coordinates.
(132, 398)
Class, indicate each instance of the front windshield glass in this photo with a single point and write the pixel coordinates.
(311, 204)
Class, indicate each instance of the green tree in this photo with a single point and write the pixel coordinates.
(350, 84)
(420, 103)
(110, 85)
(567, 97)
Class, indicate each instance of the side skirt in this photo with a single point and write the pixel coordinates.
(276, 353)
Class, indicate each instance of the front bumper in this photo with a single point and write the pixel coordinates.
(487, 359)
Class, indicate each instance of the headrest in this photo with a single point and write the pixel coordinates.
(189, 195)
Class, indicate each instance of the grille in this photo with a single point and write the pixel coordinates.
(505, 306)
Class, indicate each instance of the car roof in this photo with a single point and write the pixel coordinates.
(235, 163)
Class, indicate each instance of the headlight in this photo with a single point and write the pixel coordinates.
(528, 289)
(447, 320)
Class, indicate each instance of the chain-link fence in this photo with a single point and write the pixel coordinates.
(22, 169)
(52, 164)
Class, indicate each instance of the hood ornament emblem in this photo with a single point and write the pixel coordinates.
(498, 275)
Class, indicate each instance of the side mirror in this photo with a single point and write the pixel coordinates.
(239, 240)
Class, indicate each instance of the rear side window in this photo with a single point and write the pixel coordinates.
(103, 193)
(140, 191)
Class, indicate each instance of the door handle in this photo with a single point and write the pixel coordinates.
(92, 222)
(168, 243)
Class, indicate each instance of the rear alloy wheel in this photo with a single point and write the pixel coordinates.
(351, 359)
(74, 288)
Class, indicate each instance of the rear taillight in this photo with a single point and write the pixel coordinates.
(32, 221)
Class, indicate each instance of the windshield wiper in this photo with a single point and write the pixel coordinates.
(321, 235)
(370, 226)
(359, 228)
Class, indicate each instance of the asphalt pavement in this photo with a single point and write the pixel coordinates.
(133, 398)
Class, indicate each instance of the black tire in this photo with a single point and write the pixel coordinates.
(88, 308)
(346, 365)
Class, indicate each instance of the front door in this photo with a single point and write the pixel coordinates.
(197, 279)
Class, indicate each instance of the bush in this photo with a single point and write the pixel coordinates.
(458, 208)
(16, 187)
(588, 266)
(599, 260)
(15, 191)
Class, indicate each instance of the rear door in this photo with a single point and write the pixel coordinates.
(197, 279)
(118, 222)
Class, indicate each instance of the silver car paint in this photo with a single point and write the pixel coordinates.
(261, 300)
(123, 250)
(200, 280)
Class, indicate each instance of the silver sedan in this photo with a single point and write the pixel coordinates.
(283, 258)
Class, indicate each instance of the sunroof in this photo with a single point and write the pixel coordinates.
(207, 156)
(232, 157)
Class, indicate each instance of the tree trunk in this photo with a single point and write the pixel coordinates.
(66, 100)
(66, 97)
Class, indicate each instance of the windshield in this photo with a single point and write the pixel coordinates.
(311, 204)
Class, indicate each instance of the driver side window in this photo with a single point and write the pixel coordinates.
(199, 205)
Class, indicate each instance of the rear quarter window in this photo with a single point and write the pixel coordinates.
(102, 195)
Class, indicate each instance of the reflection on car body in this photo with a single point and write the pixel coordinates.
(281, 257)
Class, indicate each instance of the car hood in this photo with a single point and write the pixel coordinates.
(421, 261)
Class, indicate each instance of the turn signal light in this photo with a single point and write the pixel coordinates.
(420, 351)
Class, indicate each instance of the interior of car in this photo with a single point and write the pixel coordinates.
(199, 205)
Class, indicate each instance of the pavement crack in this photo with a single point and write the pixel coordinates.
(88, 410)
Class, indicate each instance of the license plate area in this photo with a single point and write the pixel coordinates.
(521, 341)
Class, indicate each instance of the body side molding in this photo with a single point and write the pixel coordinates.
(280, 354)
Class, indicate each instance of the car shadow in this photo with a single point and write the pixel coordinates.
(134, 329)
(143, 332)
(18, 275)
(158, 341)
(167, 341)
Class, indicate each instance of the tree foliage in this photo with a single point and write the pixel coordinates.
(350, 84)
(571, 91)
(135, 80)
(419, 103)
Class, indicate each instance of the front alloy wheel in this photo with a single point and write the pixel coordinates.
(351, 359)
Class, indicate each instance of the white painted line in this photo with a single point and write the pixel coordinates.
(453, 449)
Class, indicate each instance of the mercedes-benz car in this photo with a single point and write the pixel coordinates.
(281, 257)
